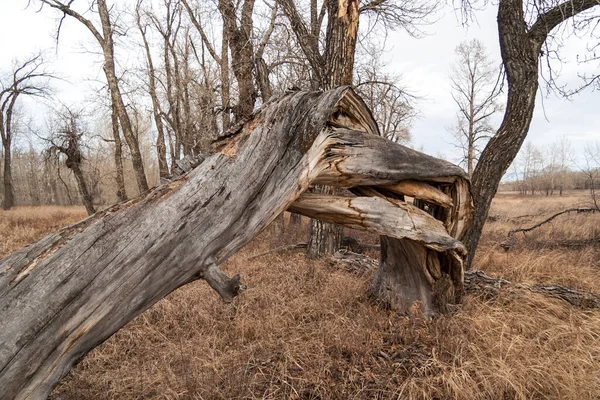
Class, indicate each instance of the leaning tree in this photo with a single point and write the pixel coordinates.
(65, 294)
(525, 28)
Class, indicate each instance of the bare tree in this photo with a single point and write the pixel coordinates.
(475, 91)
(389, 101)
(524, 28)
(104, 37)
(561, 155)
(65, 142)
(161, 150)
(591, 170)
(28, 78)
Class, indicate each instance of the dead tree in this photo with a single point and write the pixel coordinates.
(65, 294)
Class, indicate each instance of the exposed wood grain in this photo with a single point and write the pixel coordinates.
(65, 294)
(421, 190)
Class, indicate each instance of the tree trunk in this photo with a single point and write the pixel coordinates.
(342, 30)
(86, 198)
(242, 54)
(9, 191)
(520, 57)
(520, 46)
(119, 178)
(295, 219)
(342, 34)
(325, 238)
(67, 293)
(115, 93)
(161, 150)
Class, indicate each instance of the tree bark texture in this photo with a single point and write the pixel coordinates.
(65, 294)
(118, 154)
(9, 191)
(242, 54)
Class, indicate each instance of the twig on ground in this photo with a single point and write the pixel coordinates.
(302, 245)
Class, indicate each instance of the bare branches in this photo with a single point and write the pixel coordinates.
(474, 90)
(28, 78)
(550, 19)
(392, 15)
(570, 210)
(67, 10)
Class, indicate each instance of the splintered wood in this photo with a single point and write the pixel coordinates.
(67, 293)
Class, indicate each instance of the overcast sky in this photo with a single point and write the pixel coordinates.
(424, 64)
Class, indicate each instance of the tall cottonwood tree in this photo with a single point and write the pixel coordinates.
(28, 78)
(524, 28)
(104, 37)
(475, 91)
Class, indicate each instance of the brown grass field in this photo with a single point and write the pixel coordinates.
(306, 330)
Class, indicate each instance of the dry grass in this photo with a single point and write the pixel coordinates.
(304, 330)
(24, 225)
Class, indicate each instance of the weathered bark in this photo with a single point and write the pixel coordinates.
(342, 34)
(242, 54)
(118, 154)
(65, 294)
(9, 191)
(520, 48)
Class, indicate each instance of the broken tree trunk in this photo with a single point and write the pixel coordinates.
(65, 294)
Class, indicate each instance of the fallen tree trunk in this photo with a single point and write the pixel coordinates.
(477, 282)
(65, 294)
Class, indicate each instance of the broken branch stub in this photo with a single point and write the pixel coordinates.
(63, 295)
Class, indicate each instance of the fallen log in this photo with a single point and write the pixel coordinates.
(537, 225)
(477, 282)
(512, 241)
(65, 294)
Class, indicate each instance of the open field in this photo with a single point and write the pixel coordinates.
(306, 330)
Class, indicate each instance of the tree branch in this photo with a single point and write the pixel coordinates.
(555, 16)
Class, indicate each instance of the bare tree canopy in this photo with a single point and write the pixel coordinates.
(27, 78)
(104, 37)
(475, 89)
